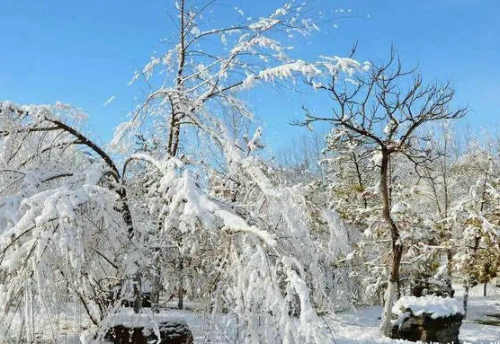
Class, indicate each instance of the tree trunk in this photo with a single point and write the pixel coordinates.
(360, 179)
(468, 281)
(173, 139)
(180, 289)
(485, 287)
(466, 297)
(390, 299)
(156, 286)
(180, 304)
(393, 287)
(449, 268)
(137, 292)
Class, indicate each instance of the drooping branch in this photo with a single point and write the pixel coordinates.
(121, 191)
(87, 142)
(26, 130)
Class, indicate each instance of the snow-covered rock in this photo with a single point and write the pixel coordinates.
(127, 327)
(428, 319)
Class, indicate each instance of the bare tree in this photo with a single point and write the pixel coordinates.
(383, 109)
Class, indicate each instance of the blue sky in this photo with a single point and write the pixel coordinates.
(84, 52)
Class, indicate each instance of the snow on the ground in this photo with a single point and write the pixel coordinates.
(350, 327)
(361, 326)
(479, 306)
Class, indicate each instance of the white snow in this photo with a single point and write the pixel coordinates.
(437, 307)
(349, 327)
(128, 318)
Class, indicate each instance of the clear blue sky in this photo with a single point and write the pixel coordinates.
(83, 52)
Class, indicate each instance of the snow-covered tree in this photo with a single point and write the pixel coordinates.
(77, 219)
(60, 206)
(383, 109)
(475, 216)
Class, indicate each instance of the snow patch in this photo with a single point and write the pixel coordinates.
(437, 307)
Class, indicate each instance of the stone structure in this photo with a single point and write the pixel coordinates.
(171, 332)
(427, 329)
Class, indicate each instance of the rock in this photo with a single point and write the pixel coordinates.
(424, 328)
(171, 332)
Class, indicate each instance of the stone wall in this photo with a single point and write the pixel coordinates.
(170, 333)
(424, 328)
